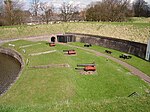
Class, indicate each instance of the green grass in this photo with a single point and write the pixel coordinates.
(114, 105)
(134, 31)
(134, 23)
(139, 20)
(65, 89)
(135, 61)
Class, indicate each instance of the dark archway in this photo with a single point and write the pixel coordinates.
(53, 39)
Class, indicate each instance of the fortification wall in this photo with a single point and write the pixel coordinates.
(135, 48)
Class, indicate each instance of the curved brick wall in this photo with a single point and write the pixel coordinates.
(135, 48)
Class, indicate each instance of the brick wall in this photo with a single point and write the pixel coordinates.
(135, 48)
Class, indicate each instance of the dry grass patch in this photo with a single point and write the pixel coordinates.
(134, 31)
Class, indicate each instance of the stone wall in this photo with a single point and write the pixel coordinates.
(7, 82)
(13, 54)
(135, 48)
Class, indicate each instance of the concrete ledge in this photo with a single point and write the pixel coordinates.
(18, 57)
(12, 53)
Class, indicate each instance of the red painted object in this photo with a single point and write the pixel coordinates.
(52, 44)
(90, 68)
(70, 52)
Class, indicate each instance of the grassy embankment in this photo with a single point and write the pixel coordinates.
(136, 30)
(65, 89)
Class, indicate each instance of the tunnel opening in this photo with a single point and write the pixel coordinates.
(53, 39)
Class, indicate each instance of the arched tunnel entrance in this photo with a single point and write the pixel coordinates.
(53, 39)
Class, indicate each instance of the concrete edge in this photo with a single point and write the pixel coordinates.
(13, 53)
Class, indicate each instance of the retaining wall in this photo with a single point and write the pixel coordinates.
(12, 53)
(135, 48)
(7, 82)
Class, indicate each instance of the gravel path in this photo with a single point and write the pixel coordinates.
(132, 69)
(36, 38)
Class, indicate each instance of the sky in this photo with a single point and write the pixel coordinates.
(57, 3)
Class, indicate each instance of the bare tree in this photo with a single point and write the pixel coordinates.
(141, 8)
(82, 15)
(9, 11)
(68, 11)
(1, 6)
(19, 16)
(91, 12)
(13, 12)
(109, 10)
(35, 6)
(1, 13)
(48, 10)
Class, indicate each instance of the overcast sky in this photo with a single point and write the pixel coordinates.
(57, 3)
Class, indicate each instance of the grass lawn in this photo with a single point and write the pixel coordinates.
(65, 89)
(133, 31)
(135, 61)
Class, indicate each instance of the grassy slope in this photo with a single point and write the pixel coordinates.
(135, 31)
(135, 61)
(56, 89)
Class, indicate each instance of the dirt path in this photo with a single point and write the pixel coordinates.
(132, 69)
(35, 38)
